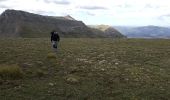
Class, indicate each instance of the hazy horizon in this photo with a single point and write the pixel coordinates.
(92, 12)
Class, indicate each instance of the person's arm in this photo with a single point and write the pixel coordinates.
(51, 37)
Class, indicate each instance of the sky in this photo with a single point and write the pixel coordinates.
(97, 12)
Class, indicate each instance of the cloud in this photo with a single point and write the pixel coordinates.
(168, 15)
(164, 18)
(124, 6)
(92, 7)
(87, 13)
(3, 0)
(61, 2)
(98, 11)
(90, 14)
(3, 6)
(148, 6)
(42, 12)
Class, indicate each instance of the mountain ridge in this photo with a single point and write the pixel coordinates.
(149, 31)
(16, 23)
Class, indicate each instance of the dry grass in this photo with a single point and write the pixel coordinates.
(10, 72)
(86, 69)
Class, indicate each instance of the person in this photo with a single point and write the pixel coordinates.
(55, 38)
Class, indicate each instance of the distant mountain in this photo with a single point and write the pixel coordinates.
(145, 31)
(108, 31)
(15, 23)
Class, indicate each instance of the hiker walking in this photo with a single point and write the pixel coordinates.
(55, 38)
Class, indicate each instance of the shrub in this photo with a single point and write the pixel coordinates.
(10, 72)
(51, 55)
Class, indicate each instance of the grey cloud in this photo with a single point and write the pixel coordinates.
(164, 17)
(90, 14)
(168, 15)
(148, 6)
(61, 2)
(153, 6)
(3, 6)
(123, 6)
(3, 0)
(92, 7)
(41, 12)
(86, 13)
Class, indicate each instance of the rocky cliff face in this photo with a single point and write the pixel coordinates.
(15, 23)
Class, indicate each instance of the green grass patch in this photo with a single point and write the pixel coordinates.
(10, 72)
(51, 55)
(85, 69)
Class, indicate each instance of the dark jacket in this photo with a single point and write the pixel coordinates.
(55, 36)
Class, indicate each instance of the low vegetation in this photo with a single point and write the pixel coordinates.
(85, 69)
(51, 55)
(10, 72)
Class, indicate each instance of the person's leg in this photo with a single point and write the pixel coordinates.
(55, 46)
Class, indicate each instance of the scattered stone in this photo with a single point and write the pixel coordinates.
(26, 65)
(81, 59)
(101, 55)
(103, 69)
(51, 84)
(39, 63)
(126, 79)
(102, 62)
(84, 60)
(73, 70)
(116, 63)
(72, 79)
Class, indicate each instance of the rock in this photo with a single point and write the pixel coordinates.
(26, 65)
(39, 63)
(116, 63)
(103, 69)
(51, 84)
(102, 62)
(72, 79)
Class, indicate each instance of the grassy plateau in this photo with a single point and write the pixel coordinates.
(85, 69)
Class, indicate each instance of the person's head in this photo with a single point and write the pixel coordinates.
(52, 32)
(55, 32)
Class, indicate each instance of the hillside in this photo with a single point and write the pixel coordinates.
(24, 24)
(85, 69)
(145, 31)
(108, 31)
(14, 23)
